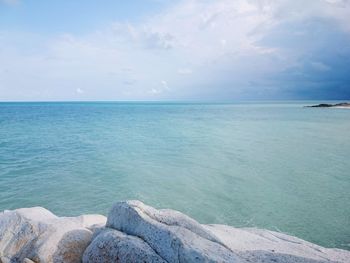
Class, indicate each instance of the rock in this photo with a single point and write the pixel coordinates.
(322, 105)
(113, 246)
(172, 235)
(135, 232)
(325, 105)
(27, 260)
(38, 235)
(259, 245)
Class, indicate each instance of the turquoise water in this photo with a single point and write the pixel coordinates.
(278, 166)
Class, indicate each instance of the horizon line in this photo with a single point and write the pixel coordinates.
(168, 101)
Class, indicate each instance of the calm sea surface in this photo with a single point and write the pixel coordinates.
(271, 165)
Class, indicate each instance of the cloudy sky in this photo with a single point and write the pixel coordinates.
(174, 50)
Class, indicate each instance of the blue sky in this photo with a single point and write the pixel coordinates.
(174, 50)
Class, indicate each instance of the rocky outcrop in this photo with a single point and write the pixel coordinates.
(260, 245)
(135, 232)
(113, 246)
(170, 234)
(326, 105)
(35, 234)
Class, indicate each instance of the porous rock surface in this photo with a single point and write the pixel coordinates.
(135, 232)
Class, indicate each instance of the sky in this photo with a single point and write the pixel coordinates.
(174, 50)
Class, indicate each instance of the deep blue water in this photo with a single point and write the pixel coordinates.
(271, 165)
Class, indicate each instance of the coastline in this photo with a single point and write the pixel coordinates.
(135, 232)
(342, 105)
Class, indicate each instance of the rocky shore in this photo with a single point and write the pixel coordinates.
(343, 105)
(135, 232)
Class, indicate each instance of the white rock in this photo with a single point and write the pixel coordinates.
(38, 235)
(259, 245)
(113, 246)
(139, 233)
(178, 238)
(172, 235)
(27, 260)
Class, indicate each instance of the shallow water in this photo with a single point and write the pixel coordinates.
(271, 165)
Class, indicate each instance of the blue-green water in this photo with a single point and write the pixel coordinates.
(278, 166)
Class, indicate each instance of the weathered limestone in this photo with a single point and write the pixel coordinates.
(260, 245)
(172, 235)
(38, 235)
(113, 246)
(135, 232)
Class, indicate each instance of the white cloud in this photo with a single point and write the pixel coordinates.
(215, 41)
(163, 87)
(155, 91)
(184, 71)
(79, 91)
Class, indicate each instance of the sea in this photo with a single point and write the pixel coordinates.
(274, 165)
